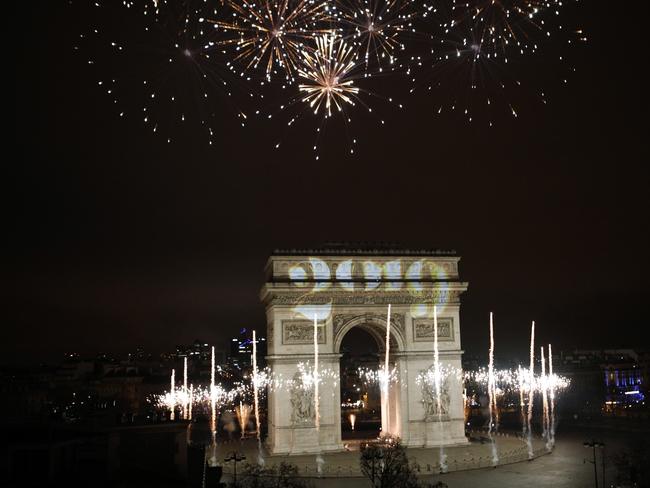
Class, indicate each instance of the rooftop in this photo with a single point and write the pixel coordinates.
(362, 249)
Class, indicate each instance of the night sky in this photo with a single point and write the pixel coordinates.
(118, 239)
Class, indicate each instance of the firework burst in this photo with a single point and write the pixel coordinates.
(480, 55)
(174, 64)
(513, 23)
(161, 65)
(326, 73)
(272, 33)
(378, 27)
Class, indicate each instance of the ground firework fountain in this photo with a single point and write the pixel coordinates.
(319, 458)
(172, 395)
(492, 399)
(191, 402)
(385, 429)
(522, 382)
(185, 390)
(531, 391)
(256, 400)
(243, 415)
(544, 387)
(521, 385)
(213, 410)
(552, 396)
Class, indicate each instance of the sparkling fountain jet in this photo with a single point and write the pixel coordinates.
(319, 459)
(385, 429)
(185, 390)
(213, 410)
(522, 403)
(191, 401)
(531, 391)
(243, 415)
(353, 419)
(172, 395)
(492, 399)
(256, 402)
(544, 388)
(552, 395)
(316, 394)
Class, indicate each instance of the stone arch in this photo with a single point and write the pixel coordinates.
(375, 325)
(351, 299)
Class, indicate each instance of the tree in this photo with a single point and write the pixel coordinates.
(283, 476)
(386, 465)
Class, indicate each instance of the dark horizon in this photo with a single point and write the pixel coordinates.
(117, 239)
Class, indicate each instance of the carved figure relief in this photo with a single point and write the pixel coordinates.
(430, 400)
(423, 329)
(302, 402)
(301, 332)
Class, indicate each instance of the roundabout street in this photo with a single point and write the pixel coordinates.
(563, 468)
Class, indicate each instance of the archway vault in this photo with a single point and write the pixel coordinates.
(375, 325)
(314, 283)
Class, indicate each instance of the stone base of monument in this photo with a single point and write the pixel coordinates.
(471, 455)
(434, 434)
(304, 440)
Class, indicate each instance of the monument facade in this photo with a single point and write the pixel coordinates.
(347, 288)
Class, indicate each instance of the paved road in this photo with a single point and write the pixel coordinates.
(564, 468)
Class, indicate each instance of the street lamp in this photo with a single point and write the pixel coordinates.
(595, 444)
(235, 457)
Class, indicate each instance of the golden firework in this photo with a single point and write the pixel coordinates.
(377, 26)
(272, 33)
(327, 72)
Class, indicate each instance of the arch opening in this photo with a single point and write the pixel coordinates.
(362, 352)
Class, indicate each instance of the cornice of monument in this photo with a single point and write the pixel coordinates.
(431, 292)
(362, 249)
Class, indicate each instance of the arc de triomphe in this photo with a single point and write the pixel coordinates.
(352, 288)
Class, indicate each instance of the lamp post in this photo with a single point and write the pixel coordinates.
(595, 444)
(235, 457)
